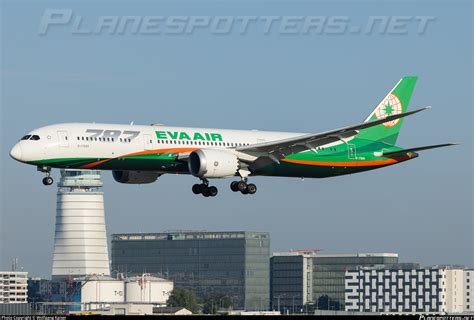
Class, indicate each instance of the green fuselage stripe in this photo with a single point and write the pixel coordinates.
(355, 156)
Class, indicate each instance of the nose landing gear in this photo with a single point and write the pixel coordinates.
(205, 189)
(243, 187)
(47, 181)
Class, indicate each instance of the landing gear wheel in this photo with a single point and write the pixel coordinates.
(197, 188)
(251, 188)
(47, 181)
(234, 186)
(212, 191)
(206, 192)
(242, 186)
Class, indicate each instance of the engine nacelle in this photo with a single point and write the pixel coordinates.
(135, 177)
(209, 163)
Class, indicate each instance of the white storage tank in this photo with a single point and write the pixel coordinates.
(98, 291)
(147, 289)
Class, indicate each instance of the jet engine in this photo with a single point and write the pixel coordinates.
(135, 177)
(209, 163)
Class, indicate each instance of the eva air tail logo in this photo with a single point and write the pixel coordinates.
(391, 105)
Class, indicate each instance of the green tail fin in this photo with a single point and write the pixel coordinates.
(395, 102)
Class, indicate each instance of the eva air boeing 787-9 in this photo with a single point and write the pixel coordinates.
(140, 154)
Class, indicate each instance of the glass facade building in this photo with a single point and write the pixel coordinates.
(232, 263)
(302, 281)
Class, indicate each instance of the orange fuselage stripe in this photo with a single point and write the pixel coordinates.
(367, 163)
(140, 153)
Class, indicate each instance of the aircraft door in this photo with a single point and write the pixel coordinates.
(148, 142)
(352, 152)
(63, 139)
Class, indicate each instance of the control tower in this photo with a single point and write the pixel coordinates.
(80, 239)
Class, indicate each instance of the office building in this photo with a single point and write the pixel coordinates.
(235, 264)
(469, 290)
(80, 240)
(304, 280)
(13, 287)
(405, 289)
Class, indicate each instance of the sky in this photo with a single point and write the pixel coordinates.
(271, 79)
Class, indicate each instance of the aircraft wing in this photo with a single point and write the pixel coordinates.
(276, 150)
(412, 150)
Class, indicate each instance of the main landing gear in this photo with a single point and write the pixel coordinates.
(243, 187)
(47, 181)
(204, 189)
(211, 191)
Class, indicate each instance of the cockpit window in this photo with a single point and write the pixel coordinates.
(26, 137)
(35, 137)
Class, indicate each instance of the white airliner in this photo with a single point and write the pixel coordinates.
(140, 154)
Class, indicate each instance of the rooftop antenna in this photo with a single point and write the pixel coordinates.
(14, 264)
(307, 251)
(131, 123)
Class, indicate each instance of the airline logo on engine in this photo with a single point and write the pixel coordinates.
(181, 135)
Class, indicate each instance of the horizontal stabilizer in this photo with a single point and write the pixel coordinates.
(406, 151)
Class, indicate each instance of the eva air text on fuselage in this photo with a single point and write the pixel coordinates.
(181, 135)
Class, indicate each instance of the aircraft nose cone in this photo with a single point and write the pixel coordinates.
(16, 152)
